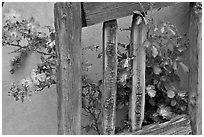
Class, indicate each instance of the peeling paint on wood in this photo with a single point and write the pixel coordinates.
(109, 76)
(137, 98)
(195, 73)
(68, 50)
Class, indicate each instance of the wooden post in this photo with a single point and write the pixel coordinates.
(195, 74)
(68, 49)
(137, 50)
(109, 76)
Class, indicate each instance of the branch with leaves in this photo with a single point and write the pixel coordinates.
(164, 49)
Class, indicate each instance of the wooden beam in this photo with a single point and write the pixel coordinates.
(96, 12)
(68, 49)
(195, 74)
(179, 125)
(137, 50)
(109, 76)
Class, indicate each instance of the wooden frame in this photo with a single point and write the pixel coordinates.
(69, 19)
(137, 51)
(195, 74)
(96, 12)
(109, 76)
(68, 49)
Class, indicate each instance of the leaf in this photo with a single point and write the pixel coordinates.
(173, 103)
(150, 87)
(126, 63)
(152, 102)
(151, 93)
(182, 48)
(162, 30)
(184, 67)
(154, 51)
(182, 94)
(163, 78)
(171, 93)
(123, 74)
(183, 108)
(157, 70)
(164, 111)
(175, 65)
(147, 43)
(167, 68)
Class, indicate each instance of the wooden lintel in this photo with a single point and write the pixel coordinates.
(96, 12)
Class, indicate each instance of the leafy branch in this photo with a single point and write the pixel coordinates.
(164, 49)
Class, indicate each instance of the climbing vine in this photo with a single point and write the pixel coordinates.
(164, 49)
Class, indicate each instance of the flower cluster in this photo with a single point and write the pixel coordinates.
(164, 49)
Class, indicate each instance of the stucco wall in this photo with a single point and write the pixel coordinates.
(39, 116)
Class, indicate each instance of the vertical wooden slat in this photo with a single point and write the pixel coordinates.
(109, 76)
(68, 49)
(195, 74)
(137, 98)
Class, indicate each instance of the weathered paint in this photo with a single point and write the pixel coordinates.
(109, 76)
(137, 98)
(68, 49)
(195, 74)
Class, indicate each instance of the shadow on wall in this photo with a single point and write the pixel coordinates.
(39, 116)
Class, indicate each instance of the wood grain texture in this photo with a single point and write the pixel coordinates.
(179, 125)
(96, 12)
(109, 76)
(137, 50)
(195, 74)
(68, 49)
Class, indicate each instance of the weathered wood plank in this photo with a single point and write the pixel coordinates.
(179, 125)
(137, 50)
(68, 49)
(195, 74)
(96, 12)
(109, 76)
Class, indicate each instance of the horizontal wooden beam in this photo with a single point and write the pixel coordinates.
(179, 125)
(96, 12)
